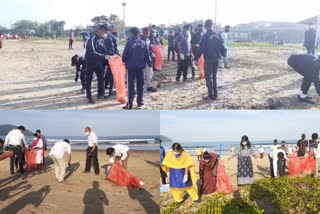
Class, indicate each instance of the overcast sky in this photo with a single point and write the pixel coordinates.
(143, 12)
(212, 126)
(72, 123)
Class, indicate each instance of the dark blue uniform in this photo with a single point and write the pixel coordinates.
(96, 63)
(136, 55)
(81, 68)
(310, 40)
(111, 49)
(212, 48)
(309, 67)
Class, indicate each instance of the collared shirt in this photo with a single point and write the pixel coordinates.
(60, 148)
(92, 139)
(121, 151)
(15, 138)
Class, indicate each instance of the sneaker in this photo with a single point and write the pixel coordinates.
(90, 101)
(305, 100)
(151, 89)
(141, 107)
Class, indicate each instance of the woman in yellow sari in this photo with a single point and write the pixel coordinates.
(180, 169)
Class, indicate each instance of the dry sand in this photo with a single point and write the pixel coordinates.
(38, 75)
(40, 193)
(261, 170)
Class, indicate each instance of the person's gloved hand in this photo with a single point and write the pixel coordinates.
(107, 57)
(181, 56)
(185, 178)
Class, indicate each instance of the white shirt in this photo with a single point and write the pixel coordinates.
(92, 139)
(274, 155)
(224, 37)
(317, 152)
(120, 151)
(60, 148)
(15, 138)
(261, 150)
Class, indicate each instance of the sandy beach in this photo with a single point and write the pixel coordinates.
(261, 170)
(39, 192)
(38, 75)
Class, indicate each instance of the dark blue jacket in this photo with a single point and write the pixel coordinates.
(196, 38)
(112, 44)
(306, 65)
(96, 51)
(136, 54)
(211, 46)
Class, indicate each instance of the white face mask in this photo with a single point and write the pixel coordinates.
(176, 153)
(244, 143)
(87, 133)
(207, 161)
(34, 138)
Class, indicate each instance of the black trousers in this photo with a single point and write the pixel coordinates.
(99, 70)
(92, 157)
(183, 66)
(171, 52)
(163, 176)
(311, 50)
(70, 44)
(109, 79)
(281, 167)
(307, 82)
(271, 167)
(19, 153)
(82, 77)
(210, 71)
(135, 76)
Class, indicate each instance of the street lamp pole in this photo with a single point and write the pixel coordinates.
(215, 13)
(124, 4)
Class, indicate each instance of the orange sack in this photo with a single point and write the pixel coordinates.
(310, 165)
(201, 62)
(297, 165)
(223, 183)
(119, 71)
(158, 52)
(120, 176)
(30, 160)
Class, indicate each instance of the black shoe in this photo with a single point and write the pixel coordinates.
(185, 79)
(208, 98)
(305, 100)
(151, 89)
(90, 101)
(127, 107)
(141, 106)
(102, 97)
(112, 93)
(177, 80)
(227, 67)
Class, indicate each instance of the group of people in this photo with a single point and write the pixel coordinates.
(179, 167)
(16, 143)
(212, 45)
(137, 56)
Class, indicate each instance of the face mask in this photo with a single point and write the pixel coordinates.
(176, 153)
(87, 133)
(244, 143)
(207, 161)
(104, 35)
(34, 138)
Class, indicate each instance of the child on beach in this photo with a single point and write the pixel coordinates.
(180, 169)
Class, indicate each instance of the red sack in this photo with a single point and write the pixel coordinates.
(120, 176)
(310, 165)
(30, 160)
(296, 165)
(119, 71)
(158, 52)
(223, 183)
(201, 62)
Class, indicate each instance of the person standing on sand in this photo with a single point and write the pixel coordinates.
(208, 170)
(85, 37)
(162, 156)
(38, 145)
(119, 152)
(57, 153)
(180, 169)
(199, 153)
(224, 37)
(261, 152)
(310, 38)
(309, 67)
(171, 38)
(245, 167)
(16, 141)
(302, 145)
(92, 152)
(195, 44)
(212, 48)
(184, 53)
(136, 55)
(71, 39)
(96, 60)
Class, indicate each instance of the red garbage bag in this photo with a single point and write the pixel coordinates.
(120, 176)
(223, 183)
(158, 52)
(119, 71)
(201, 62)
(296, 165)
(30, 159)
(309, 165)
